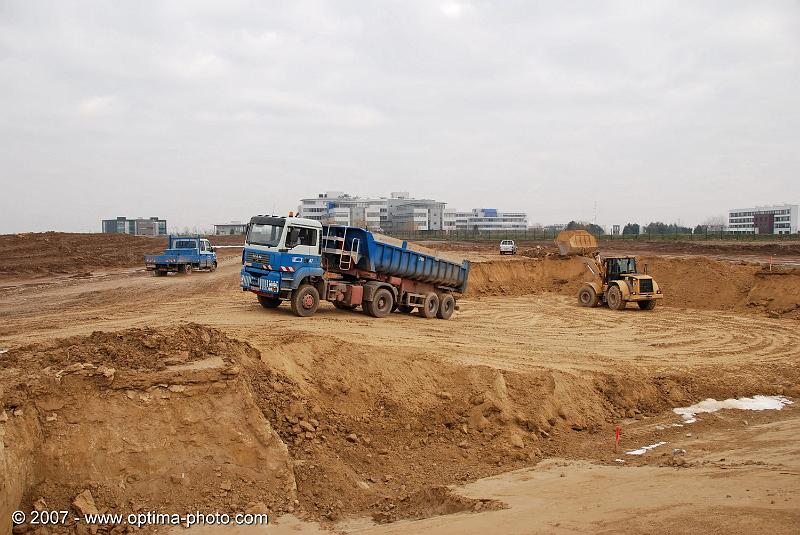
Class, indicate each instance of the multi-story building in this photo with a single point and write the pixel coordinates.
(406, 213)
(139, 226)
(777, 219)
(233, 228)
(490, 219)
(342, 209)
(403, 213)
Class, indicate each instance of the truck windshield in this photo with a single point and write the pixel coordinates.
(269, 235)
(184, 244)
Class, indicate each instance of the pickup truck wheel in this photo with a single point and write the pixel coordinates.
(649, 304)
(430, 306)
(405, 309)
(587, 297)
(381, 304)
(305, 300)
(447, 305)
(614, 298)
(268, 302)
(214, 266)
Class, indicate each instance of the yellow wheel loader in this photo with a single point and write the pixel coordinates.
(616, 281)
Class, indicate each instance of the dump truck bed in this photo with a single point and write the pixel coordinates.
(346, 249)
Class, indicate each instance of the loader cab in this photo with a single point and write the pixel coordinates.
(617, 268)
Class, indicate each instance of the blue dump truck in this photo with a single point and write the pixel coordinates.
(302, 261)
(184, 254)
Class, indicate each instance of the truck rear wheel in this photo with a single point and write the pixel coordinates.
(268, 302)
(305, 300)
(447, 305)
(381, 304)
(430, 306)
(649, 304)
(587, 297)
(614, 298)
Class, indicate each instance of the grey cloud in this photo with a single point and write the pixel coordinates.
(203, 112)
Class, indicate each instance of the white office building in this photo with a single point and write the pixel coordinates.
(490, 219)
(777, 219)
(402, 213)
(339, 208)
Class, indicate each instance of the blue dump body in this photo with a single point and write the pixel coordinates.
(388, 256)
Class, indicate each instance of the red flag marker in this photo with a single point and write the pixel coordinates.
(616, 442)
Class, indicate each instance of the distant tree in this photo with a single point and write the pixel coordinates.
(657, 227)
(700, 229)
(631, 228)
(597, 230)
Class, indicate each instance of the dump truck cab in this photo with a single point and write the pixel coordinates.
(280, 254)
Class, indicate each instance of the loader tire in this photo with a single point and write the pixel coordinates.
(587, 297)
(614, 298)
(447, 305)
(268, 302)
(649, 304)
(430, 306)
(305, 300)
(381, 304)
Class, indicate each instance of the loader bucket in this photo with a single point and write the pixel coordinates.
(576, 243)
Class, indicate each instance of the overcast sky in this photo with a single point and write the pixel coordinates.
(206, 112)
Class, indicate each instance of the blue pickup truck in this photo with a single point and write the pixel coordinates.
(184, 254)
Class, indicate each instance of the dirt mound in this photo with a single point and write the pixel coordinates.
(137, 435)
(62, 253)
(336, 425)
(52, 253)
(688, 282)
(550, 274)
(137, 349)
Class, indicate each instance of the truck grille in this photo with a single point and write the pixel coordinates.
(258, 258)
(645, 285)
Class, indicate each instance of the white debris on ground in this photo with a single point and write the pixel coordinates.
(3, 351)
(756, 403)
(645, 449)
(619, 460)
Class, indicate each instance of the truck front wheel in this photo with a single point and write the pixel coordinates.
(381, 304)
(305, 300)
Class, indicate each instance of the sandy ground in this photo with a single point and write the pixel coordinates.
(511, 405)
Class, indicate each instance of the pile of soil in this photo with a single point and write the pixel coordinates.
(342, 433)
(61, 253)
(730, 248)
(690, 282)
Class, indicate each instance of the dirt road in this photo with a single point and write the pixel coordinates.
(358, 418)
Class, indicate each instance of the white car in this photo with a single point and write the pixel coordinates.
(508, 247)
